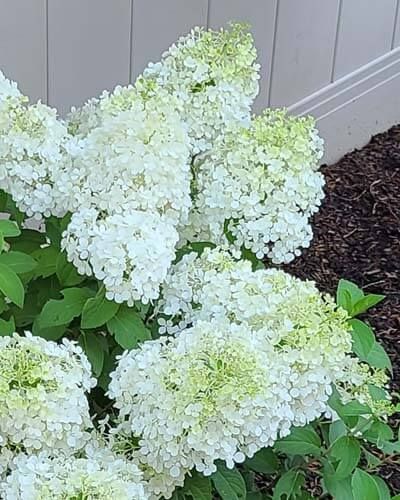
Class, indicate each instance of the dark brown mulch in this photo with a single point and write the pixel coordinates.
(357, 237)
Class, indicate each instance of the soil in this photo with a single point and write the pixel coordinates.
(357, 237)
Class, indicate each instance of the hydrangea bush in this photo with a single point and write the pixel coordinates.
(150, 347)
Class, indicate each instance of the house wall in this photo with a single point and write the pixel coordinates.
(336, 59)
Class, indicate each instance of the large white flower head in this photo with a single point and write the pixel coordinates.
(303, 326)
(43, 404)
(214, 75)
(102, 476)
(261, 185)
(213, 392)
(131, 187)
(135, 157)
(130, 252)
(32, 152)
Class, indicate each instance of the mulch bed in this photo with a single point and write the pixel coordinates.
(357, 237)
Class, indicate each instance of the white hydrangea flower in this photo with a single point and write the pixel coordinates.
(130, 252)
(215, 77)
(32, 151)
(214, 392)
(136, 157)
(130, 187)
(261, 184)
(102, 476)
(299, 322)
(43, 386)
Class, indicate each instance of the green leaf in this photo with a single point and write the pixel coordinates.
(51, 333)
(366, 347)
(338, 488)
(9, 228)
(383, 489)
(363, 485)
(14, 212)
(351, 409)
(29, 241)
(47, 259)
(98, 310)
(378, 433)
(66, 272)
(128, 328)
(264, 461)
(55, 227)
(198, 487)
(62, 312)
(366, 303)
(11, 285)
(346, 451)
(94, 351)
(337, 429)
(19, 262)
(289, 485)
(379, 358)
(7, 327)
(301, 441)
(348, 294)
(229, 483)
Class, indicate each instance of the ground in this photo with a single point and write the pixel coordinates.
(357, 237)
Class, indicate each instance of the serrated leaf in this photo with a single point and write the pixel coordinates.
(364, 486)
(11, 285)
(98, 310)
(346, 451)
(19, 262)
(66, 272)
(198, 487)
(9, 229)
(301, 441)
(288, 485)
(128, 328)
(264, 461)
(93, 350)
(229, 483)
(366, 303)
(63, 311)
(7, 327)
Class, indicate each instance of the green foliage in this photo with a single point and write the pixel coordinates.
(42, 292)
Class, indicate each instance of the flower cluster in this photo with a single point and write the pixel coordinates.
(258, 187)
(262, 354)
(210, 393)
(32, 151)
(100, 476)
(43, 405)
(214, 76)
(131, 181)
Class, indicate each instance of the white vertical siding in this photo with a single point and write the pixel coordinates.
(364, 33)
(396, 34)
(157, 24)
(337, 59)
(304, 49)
(261, 16)
(88, 49)
(23, 45)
